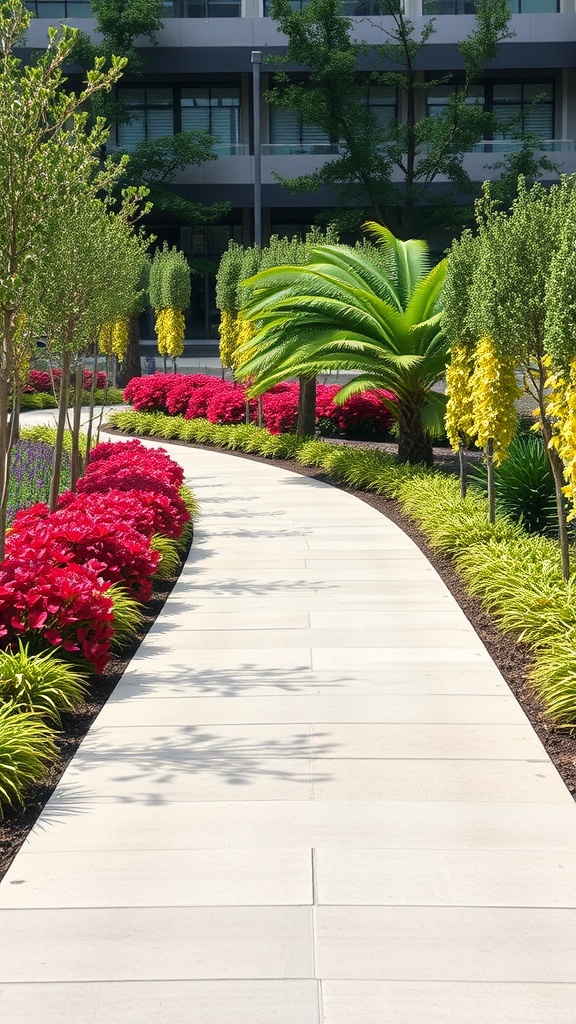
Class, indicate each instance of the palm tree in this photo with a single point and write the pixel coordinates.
(375, 313)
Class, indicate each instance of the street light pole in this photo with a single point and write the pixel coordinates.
(256, 59)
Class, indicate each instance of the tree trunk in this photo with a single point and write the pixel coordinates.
(75, 463)
(5, 433)
(60, 427)
(414, 443)
(306, 422)
(559, 482)
(490, 480)
(463, 460)
(131, 365)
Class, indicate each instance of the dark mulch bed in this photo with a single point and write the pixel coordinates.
(513, 660)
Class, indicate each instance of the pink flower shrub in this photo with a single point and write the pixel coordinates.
(41, 381)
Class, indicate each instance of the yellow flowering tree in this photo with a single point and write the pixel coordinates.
(170, 297)
(520, 299)
(227, 300)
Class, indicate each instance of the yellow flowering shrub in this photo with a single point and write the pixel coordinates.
(561, 407)
(120, 338)
(227, 331)
(105, 339)
(494, 391)
(170, 328)
(460, 407)
(244, 333)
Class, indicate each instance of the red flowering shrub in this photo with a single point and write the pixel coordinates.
(65, 607)
(156, 462)
(228, 404)
(114, 549)
(149, 393)
(223, 402)
(41, 381)
(59, 565)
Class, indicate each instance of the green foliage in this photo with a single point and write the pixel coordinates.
(523, 486)
(27, 748)
(373, 155)
(190, 501)
(41, 432)
(344, 312)
(228, 278)
(127, 617)
(170, 562)
(554, 678)
(169, 279)
(43, 683)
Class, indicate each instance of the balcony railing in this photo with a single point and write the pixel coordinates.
(202, 9)
(60, 9)
(299, 149)
(469, 6)
(515, 146)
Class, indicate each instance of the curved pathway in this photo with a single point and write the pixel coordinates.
(312, 799)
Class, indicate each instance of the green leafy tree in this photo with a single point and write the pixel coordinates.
(333, 96)
(343, 311)
(47, 162)
(521, 284)
(170, 295)
(71, 299)
(155, 163)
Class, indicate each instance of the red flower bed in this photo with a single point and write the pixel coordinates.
(111, 547)
(41, 380)
(60, 565)
(201, 396)
(65, 607)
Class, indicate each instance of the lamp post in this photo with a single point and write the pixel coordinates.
(256, 59)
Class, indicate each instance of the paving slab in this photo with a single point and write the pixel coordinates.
(312, 798)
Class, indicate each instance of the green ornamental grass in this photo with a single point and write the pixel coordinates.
(27, 748)
(42, 683)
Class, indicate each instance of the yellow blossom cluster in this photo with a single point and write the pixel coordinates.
(113, 338)
(244, 333)
(227, 332)
(561, 406)
(170, 328)
(460, 406)
(494, 389)
(105, 339)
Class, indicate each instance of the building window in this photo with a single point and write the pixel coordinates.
(213, 109)
(60, 9)
(532, 104)
(202, 9)
(469, 6)
(288, 131)
(151, 114)
(382, 101)
(350, 8)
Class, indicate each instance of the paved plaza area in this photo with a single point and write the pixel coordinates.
(312, 799)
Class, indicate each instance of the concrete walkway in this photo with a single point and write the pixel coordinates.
(312, 799)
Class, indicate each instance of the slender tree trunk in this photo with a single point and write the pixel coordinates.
(260, 415)
(490, 480)
(463, 460)
(92, 401)
(75, 460)
(306, 421)
(5, 432)
(414, 443)
(131, 365)
(60, 428)
(559, 482)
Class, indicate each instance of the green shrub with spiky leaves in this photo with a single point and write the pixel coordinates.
(27, 748)
(127, 617)
(523, 486)
(40, 682)
(554, 678)
(42, 432)
(170, 561)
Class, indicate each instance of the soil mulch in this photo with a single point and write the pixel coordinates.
(513, 660)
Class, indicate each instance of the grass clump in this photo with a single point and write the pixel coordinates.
(27, 748)
(43, 683)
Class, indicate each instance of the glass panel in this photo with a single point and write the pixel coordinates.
(195, 119)
(195, 98)
(285, 127)
(132, 97)
(79, 10)
(159, 97)
(541, 91)
(129, 135)
(540, 121)
(539, 6)
(51, 10)
(226, 124)
(504, 114)
(159, 123)
(507, 92)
